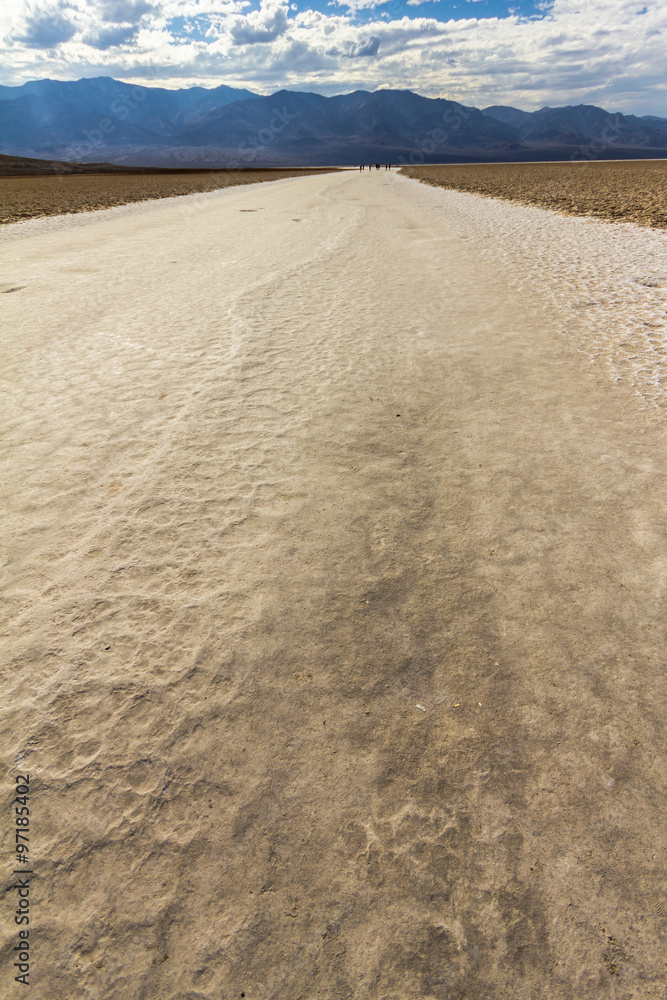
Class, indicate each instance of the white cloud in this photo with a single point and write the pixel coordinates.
(124, 11)
(263, 25)
(111, 37)
(354, 5)
(45, 27)
(598, 52)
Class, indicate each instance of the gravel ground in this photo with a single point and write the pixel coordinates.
(622, 190)
(31, 197)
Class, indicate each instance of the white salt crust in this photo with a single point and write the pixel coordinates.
(190, 204)
(607, 281)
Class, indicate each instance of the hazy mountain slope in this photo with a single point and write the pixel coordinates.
(102, 118)
(72, 108)
(504, 113)
(583, 123)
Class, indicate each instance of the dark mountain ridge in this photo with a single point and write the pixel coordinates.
(584, 122)
(105, 119)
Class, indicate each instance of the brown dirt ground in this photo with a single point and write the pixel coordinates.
(621, 190)
(30, 197)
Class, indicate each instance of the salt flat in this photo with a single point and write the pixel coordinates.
(334, 620)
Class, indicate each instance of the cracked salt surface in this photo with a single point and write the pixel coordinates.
(607, 281)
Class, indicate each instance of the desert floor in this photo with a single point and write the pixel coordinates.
(620, 190)
(335, 584)
(28, 197)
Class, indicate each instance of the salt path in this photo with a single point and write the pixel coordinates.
(334, 596)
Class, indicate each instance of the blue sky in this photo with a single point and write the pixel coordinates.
(479, 52)
(442, 10)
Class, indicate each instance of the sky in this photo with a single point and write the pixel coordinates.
(527, 54)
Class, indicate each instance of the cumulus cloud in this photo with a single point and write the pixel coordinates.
(364, 46)
(122, 20)
(124, 11)
(263, 25)
(45, 29)
(111, 37)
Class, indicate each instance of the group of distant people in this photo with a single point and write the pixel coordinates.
(378, 166)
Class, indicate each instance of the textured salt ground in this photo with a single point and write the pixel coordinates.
(607, 281)
(277, 472)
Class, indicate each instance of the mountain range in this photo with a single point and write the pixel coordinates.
(104, 119)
